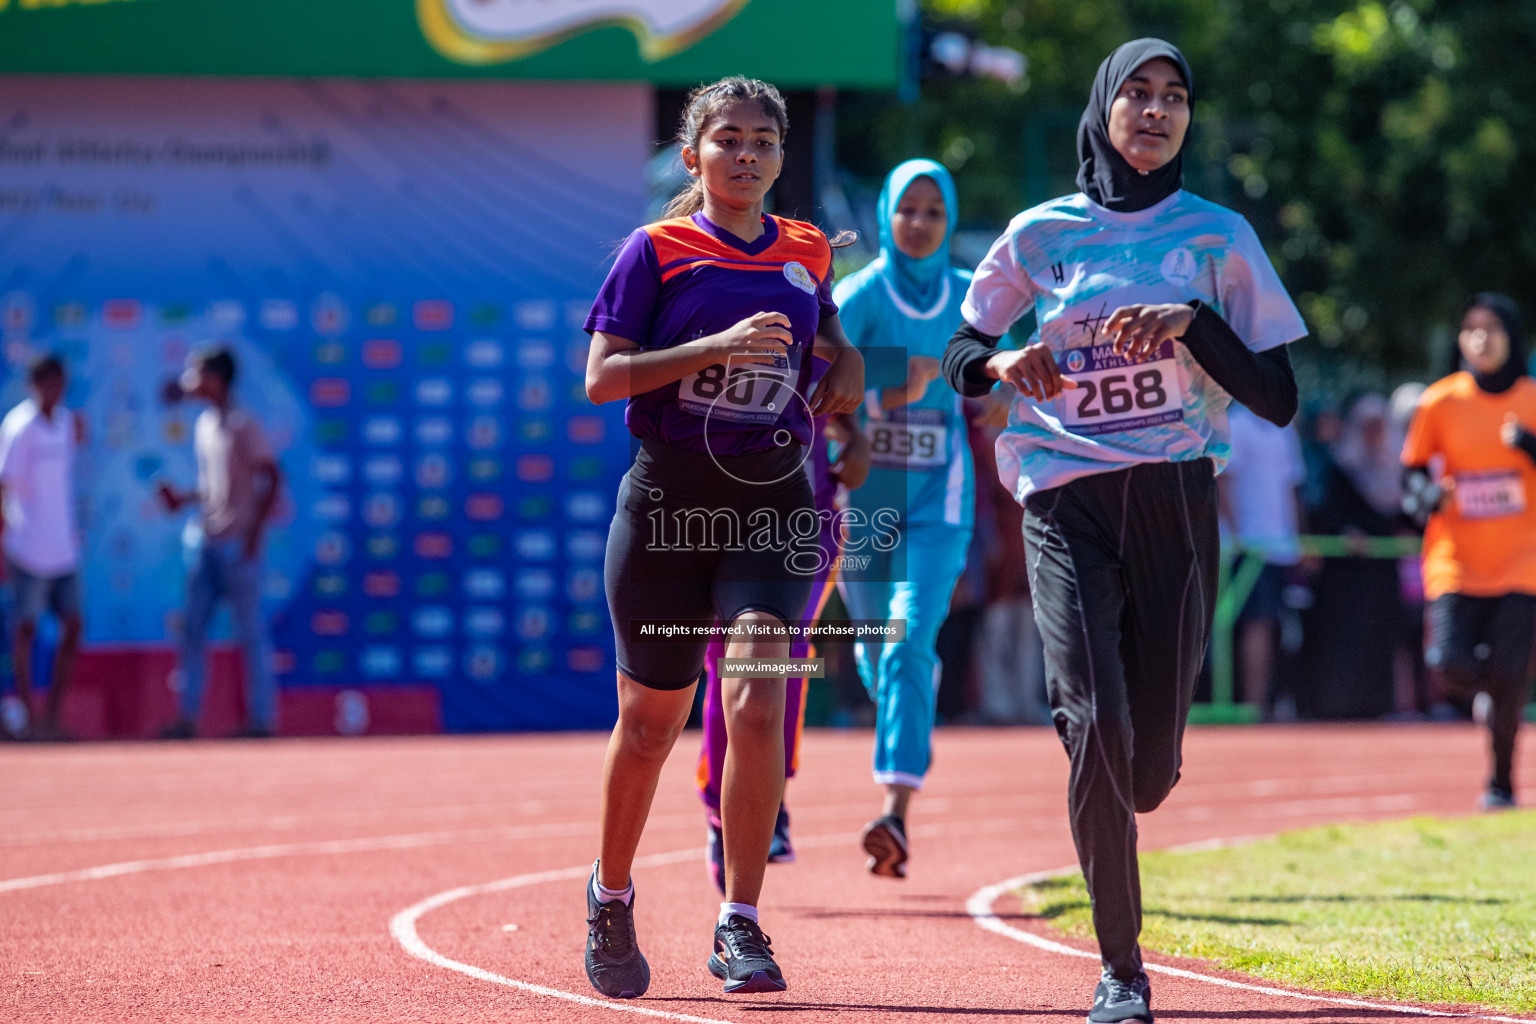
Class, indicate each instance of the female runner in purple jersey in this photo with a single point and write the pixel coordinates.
(706, 325)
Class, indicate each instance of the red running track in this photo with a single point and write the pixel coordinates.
(350, 880)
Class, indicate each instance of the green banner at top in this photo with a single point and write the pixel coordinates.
(792, 43)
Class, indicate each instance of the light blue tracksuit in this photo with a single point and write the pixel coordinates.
(921, 486)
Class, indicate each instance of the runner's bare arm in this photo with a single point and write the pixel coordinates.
(619, 368)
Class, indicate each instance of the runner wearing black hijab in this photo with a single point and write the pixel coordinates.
(1156, 309)
(1478, 506)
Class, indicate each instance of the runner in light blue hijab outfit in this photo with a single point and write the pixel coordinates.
(920, 493)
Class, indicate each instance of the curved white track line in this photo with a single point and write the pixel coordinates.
(403, 927)
(979, 906)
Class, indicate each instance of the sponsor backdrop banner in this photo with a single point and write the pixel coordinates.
(402, 270)
(799, 43)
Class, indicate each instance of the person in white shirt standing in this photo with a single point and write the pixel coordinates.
(1261, 505)
(38, 440)
(238, 483)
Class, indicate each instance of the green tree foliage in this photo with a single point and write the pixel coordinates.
(1375, 146)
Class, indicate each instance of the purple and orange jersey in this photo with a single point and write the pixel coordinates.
(684, 279)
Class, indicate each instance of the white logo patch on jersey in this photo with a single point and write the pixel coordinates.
(1179, 266)
(801, 278)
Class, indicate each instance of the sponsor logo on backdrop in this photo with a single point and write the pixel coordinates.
(484, 622)
(485, 584)
(17, 313)
(383, 469)
(433, 391)
(381, 662)
(484, 432)
(499, 31)
(329, 316)
(382, 354)
(433, 662)
(484, 354)
(482, 662)
(382, 430)
(432, 621)
(330, 392)
(433, 545)
(535, 468)
(380, 510)
(484, 507)
(432, 315)
(122, 314)
(434, 430)
(533, 623)
(381, 583)
(279, 315)
(329, 623)
(484, 391)
(537, 355)
(330, 469)
(535, 545)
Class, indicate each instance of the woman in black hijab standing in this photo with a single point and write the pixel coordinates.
(1156, 309)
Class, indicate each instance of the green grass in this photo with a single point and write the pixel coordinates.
(1427, 910)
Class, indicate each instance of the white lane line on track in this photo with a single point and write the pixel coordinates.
(979, 906)
(407, 841)
(403, 927)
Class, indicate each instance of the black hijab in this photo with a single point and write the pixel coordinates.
(1103, 174)
(1502, 379)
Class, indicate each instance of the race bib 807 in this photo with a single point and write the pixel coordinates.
(747, 393)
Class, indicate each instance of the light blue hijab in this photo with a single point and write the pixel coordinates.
(919, 282)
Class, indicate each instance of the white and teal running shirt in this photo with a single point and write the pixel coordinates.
(1076, 263)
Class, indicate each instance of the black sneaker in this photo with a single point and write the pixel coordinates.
(1115, 1000)
(1496, 799)
(743, 958)
(885, 840)
(782, 851)
(615, 965)
(181, 729)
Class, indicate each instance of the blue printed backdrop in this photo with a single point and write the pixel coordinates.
(403, 270)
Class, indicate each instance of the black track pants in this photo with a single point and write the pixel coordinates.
(1484, 643)
(1123, 567)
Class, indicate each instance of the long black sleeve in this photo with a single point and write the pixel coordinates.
(1262, 381)
(965, 361)
(1421, 495)
(1526, 442)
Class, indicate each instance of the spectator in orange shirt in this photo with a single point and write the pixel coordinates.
(1471, 473)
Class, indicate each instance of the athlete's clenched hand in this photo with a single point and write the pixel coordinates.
(1032, 369)
(1137, 331)
(762, 338)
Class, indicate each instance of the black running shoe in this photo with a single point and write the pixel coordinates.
(615, 966)
(743, 958)
(1115, 1000)
(885, 840)
(782, 851)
